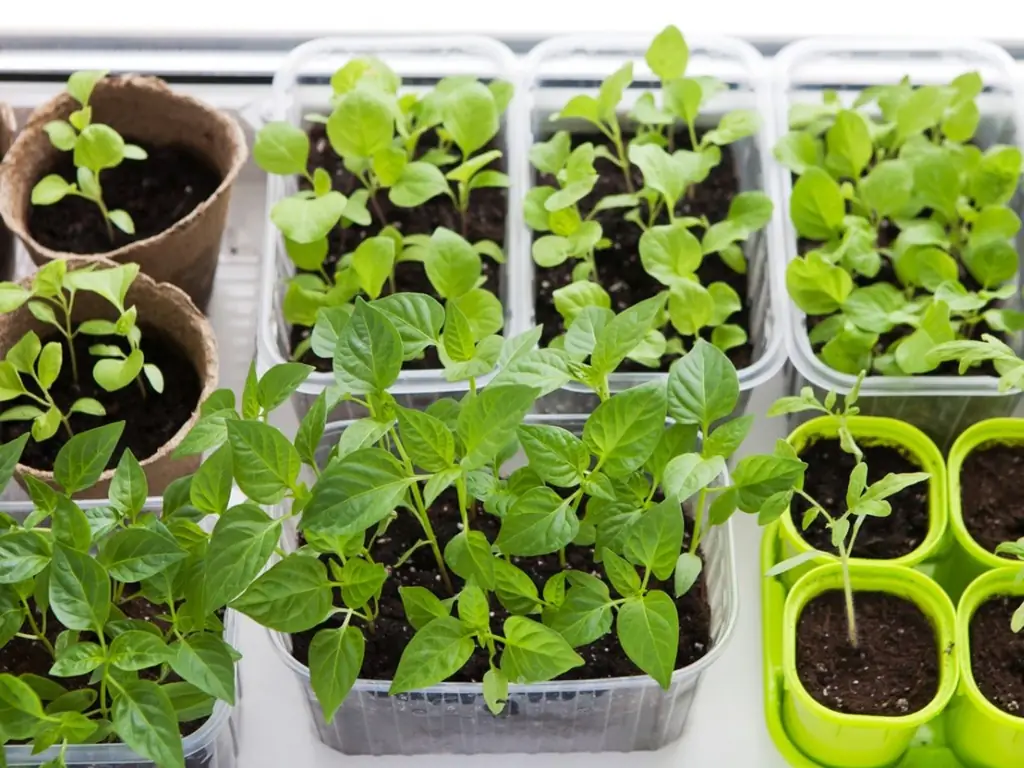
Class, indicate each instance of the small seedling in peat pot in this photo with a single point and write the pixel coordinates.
(427, 492)
(51, 299)
(120, 606)
(96, 148)
(672, 248)
(908, 236)
(862, 502)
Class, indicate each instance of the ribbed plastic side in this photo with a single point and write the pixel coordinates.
(614, 715)
(301, 86)
(562, 67)
(942, 406)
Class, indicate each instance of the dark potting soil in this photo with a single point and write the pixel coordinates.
(894, 670)
(826, 480)
(620, 271)
(157, 192)
(997, 654)
(150, 420)
(392, 632)
(22, 656)
(484, 221)
(992, 494)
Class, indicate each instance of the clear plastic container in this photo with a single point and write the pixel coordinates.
(614, 715)
(561, 67)
(942, 406)
(301, 86)
(214, 745)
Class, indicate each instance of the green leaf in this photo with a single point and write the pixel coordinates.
(488, 421)
(849, 144)
(457, 340)
(470, 117)
(211, 484)
(79, 590)
(733, 126)
(453, 266)
(435, 653)
(98, 147)
(138, 553)
(758, 478)
(78, 659)
(688, 568)
(996, 177)
(265, 463)
(887, 187)
(417, 318)
(816, 206)
(23, 554)
(10, 454)
(308, 220)
(798, 151)
(550, 156)
(242, 542)
(727, 438)
(571, 300)
(495, 690)
(668, 54)
(912, 355)
(128, 488)
(421, 606)
(279, 382)
(368, 356)
(335, 658)
(584, 616)
(687, 474)
(373, 262)
(534, 653)
(468, 554)
(50, 189)
(83, 458)
(937, 182)
(670, 253)
(992, 262)
(817, 286)
(293, 596)
(648, 629)
(361, 582)
(655, 539)
(361, 124)
(611, 90)
(690, 307)
(356, 492)
(145, 720)
(702, 386)
(428, 440)
(70, 525)
(556, 454)
(624, 430)
(539, 522)
(621, 574)
(206, 661)
(417, 183)
(281, 148)
(665, 173)
(136, 650)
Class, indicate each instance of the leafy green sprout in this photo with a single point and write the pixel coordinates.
(96, 148)
(909, 168)
(51, 299)
(807, 401)
(76, 575)
(1015, 549)
(670, 252)
(969, 354)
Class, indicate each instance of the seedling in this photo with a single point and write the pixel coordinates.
(71, 581)
(617, 488)
(670, 251)
(900, 191)
(1007, 363)
(51, 300)
(377, 133)
(96, 148)
(806, 401)
(1016, 549)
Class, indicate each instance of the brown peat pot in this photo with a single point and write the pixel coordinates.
(7, 130)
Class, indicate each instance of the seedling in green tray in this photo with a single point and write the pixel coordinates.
(806, 401)
(1015, 548)
(902, 190)
(670, 251)
(51, 300)
(96, 146)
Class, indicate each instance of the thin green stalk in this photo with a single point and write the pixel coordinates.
(620, 150)
(698, 523)
(35, 628)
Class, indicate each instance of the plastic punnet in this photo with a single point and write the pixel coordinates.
(981, 733)
(862, 741)
(564, 66)
(874, 430)
(302, 85)
(942, 406)
(613, 715)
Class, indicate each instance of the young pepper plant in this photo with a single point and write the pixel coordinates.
(96, 147)
(124, 597)
(905, 194)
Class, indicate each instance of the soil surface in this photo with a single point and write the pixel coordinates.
(997, 654)
(485, 221)
(620, 271)
(151, 419)
(992, 494)
(826, 480)
(23, 656)
(384, 645)
(894, 670)
(157, 192)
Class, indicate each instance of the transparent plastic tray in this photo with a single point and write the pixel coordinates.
(214, 745)
(613, 715)
(942, 406)
(300, 86)
(559, 68)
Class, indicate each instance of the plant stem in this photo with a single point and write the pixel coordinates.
(35, 628)
(698, 520)
(693, 135)
(620, 151)
(561, 558)
(851, 618)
